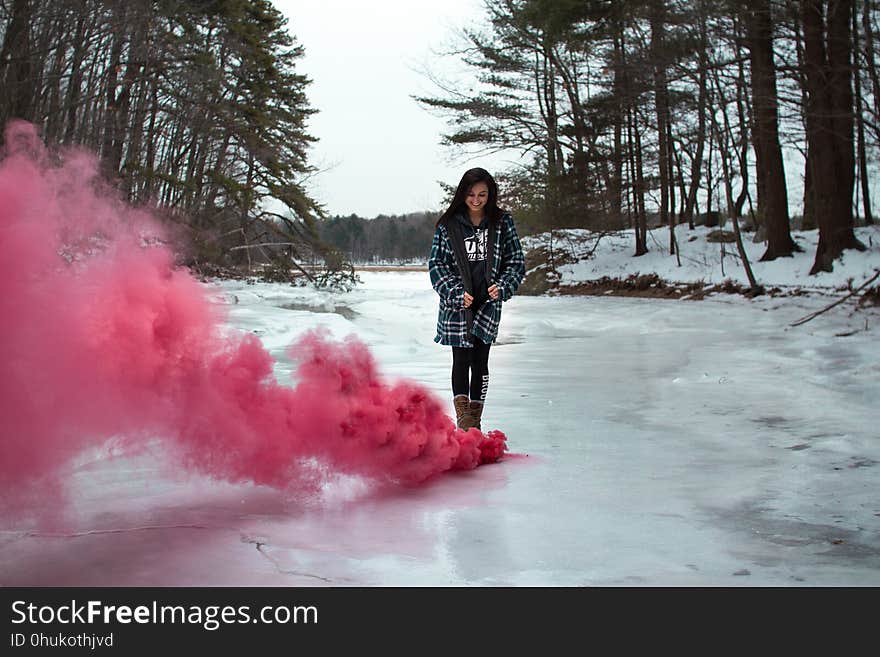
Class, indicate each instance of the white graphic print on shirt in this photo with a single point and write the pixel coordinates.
(475, 245)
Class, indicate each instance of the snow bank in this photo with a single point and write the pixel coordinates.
(580, 256)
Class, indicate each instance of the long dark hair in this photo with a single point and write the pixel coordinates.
(470, 178)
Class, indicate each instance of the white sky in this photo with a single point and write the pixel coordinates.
(379, 150)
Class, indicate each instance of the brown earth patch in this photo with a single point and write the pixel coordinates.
(870, 297)
(652, 286)
(720, 236)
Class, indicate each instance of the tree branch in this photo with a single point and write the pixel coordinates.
(807, 318)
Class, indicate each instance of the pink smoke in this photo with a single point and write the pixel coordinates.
(103, 337)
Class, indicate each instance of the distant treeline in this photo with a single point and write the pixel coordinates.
(407, 238)
(395, 238)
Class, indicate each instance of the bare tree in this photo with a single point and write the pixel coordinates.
(860, 120)
(829, 118)
(772, 193)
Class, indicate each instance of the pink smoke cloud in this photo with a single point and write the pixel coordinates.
(103, 338)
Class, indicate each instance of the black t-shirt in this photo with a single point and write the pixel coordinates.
(476, 249)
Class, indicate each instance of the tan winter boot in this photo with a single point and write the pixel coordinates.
(476, 412)
(462, 412)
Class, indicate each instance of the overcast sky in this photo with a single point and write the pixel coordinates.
(379, 151)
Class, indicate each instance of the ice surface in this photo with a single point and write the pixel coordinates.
(656, 443)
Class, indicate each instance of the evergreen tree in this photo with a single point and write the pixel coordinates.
(196, 107)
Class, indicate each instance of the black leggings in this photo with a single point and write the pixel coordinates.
(470, 370)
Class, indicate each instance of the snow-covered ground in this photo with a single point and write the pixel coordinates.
(654, 442)
(582, 255)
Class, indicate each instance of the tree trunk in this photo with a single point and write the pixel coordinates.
(110, 149)
(697, 162)
(829, 117)
(616, 188)
(52, 108)
(545, 83)
(661, 103)
(642, 230)
(709, 179)
(741, 101)
(91, 124)
(16, 60)
(74, 85)
(860, 123)
(683, 189)
(673, 246)
(810, 221)
(870, 63)
(724, 140)
(772, 194)
(570, 84)
(152, 131)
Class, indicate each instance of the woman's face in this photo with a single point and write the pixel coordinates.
(477, 197)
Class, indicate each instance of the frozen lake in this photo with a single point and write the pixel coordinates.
(654, 443)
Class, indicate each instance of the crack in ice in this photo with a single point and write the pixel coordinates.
(259, 545)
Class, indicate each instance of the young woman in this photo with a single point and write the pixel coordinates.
(476, 263)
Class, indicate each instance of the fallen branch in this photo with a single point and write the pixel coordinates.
(260, 245)
(757, 289)
(596, 245)
(807, 318)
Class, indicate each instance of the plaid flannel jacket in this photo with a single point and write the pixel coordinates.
(507, 271)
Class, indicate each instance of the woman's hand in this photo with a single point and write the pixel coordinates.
(468, 300)
(494, 292)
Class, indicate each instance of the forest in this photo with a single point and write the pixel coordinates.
(626, 114)
(637, 106)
